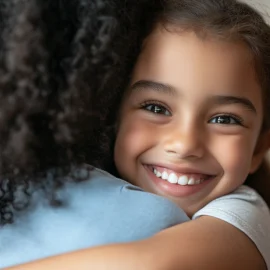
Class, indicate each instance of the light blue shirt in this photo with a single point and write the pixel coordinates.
(100, 210)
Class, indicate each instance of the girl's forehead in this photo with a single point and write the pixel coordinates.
(176, 56)
(185, 44)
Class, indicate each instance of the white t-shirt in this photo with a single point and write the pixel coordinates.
(248, 212)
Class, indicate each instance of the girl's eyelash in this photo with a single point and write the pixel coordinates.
(154, 102)
(238, 119)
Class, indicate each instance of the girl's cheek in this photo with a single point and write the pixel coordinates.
(134, 134)
(234, 156)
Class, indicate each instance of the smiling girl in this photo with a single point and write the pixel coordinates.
(190, 123)
(193, 125)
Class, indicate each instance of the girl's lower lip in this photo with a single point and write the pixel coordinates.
(175, 190)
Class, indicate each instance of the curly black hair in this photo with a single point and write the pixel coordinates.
(62, 63)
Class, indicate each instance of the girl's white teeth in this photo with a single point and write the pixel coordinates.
(183, 180)
(191, 181)
(157, 173)
(164, 176)
(173, 178)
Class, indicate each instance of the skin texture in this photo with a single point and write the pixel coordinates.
(176, 117)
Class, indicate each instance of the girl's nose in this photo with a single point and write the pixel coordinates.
(185, 143)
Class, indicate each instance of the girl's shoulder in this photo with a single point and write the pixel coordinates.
(246, 210)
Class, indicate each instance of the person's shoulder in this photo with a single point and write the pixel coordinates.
(246, 194)
(100, 188)
(244, 205)
(130, 195)
(96, 208)
(243, 197)
(96, 184)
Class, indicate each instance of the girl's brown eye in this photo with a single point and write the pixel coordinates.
(226, 120)
(157, 109)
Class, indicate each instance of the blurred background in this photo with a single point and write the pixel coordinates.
(264, 7)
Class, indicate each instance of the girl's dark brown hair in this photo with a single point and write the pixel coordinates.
(228, 20)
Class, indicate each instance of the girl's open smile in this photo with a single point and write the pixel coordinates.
(177, 184)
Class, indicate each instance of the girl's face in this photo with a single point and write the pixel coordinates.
(189, 126)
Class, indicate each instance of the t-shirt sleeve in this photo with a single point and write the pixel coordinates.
(248, 212)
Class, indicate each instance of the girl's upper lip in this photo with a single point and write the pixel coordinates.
(181, 169)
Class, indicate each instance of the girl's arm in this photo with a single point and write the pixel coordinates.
(204, 243)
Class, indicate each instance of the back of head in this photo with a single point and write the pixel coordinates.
(52, 59)
(55, 58)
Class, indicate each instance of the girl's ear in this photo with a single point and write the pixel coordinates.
(263, 145)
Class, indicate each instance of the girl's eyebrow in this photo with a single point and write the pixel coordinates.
(156, 86)
(226, 100)
(168, 89)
